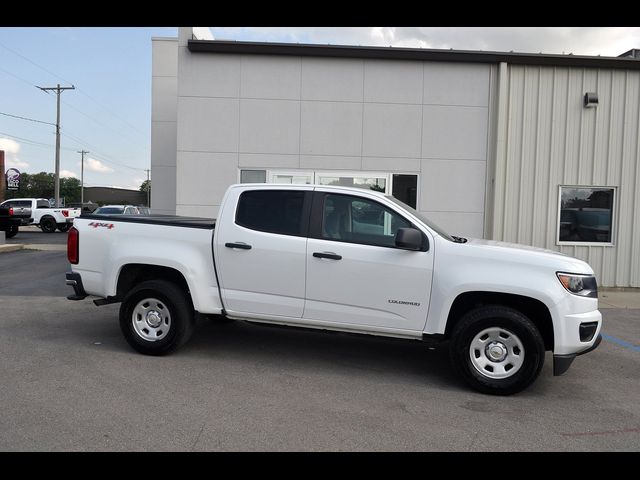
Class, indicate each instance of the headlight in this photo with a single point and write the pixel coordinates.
(582, 285)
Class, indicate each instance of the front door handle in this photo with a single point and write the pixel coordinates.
(241, 245)
(329, 255)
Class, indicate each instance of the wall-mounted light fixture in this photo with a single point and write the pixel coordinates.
(591, 99)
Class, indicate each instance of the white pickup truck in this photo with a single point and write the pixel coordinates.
(342, 259)
(37, 211)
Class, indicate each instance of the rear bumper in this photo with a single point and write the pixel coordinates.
(75, 280)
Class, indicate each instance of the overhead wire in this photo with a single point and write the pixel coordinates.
(77, 88)
(79, 141)
(26, 118)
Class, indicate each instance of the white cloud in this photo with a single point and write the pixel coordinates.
(16, 163)
(97, 166)
(202, 33)
(9, 146)
(11, 149)
(68, 174)
(606, 41)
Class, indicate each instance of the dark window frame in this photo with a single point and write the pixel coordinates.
(317, 219)
(304, 218)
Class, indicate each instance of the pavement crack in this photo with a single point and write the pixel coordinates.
(198, 437)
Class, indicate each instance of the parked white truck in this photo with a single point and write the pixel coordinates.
(343, 259)
(37, 211)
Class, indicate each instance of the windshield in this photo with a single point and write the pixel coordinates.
(440, 231)
(110, 210)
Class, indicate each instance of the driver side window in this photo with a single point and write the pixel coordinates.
(358, 220)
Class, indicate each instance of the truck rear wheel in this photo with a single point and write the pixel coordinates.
(156, 317)
(48, 224)
(12, 232)
(497, 350)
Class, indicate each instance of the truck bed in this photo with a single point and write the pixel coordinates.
(167, 220)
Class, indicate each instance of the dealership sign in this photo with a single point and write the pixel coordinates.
(13, 179)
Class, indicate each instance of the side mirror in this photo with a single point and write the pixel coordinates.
(409, 239)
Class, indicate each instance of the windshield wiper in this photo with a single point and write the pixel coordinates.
(459, 239)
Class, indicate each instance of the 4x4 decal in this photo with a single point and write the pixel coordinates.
(100, 224)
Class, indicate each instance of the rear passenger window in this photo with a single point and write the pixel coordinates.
(273, 211)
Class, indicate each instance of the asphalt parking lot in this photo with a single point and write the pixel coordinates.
(71, 383)
(34, 236)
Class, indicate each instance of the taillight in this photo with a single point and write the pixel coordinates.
(73, 246)
(10, 211)
(65, 213)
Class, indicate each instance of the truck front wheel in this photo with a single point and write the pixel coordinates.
(156, 317)
(497, 350)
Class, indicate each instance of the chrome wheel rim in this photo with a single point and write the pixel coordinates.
(151, 319)
(496, 353)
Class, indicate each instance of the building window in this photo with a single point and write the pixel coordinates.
(291, 178)
(364, 181)
(405, 189)
(586, 215)
(253, 176)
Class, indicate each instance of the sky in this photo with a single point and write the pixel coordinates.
(109, 112)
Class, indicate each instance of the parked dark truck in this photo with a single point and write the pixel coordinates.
(8, 222)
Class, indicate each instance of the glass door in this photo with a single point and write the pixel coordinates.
(368, 181)
(291, 178)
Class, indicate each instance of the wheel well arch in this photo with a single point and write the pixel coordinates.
(532, 308)
(134, 273)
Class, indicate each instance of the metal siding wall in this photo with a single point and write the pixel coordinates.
(550, 139)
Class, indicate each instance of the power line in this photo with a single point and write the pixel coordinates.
(112, 113)
(17, 77)
(33, 63)
(96, 152)
(67, 81)
(102, 124)
(81, 142)
(26, 118)
(29, 141)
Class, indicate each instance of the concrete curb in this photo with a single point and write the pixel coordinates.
(11, 247)
(45, 247)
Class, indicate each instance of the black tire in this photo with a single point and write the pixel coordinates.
(64, 227)
(467, 354)
(48, 224)
(12, 232)
(170, 299)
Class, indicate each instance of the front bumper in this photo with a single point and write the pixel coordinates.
(75, 281)
(561, 363)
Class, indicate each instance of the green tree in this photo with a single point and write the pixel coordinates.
(146, 186)
(42, 185)
(70, 190)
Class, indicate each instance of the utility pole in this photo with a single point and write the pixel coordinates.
(58, 89)
(82, 152)
(148, 189)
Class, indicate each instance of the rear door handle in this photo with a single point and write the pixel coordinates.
(241, 245)
(329, 255)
